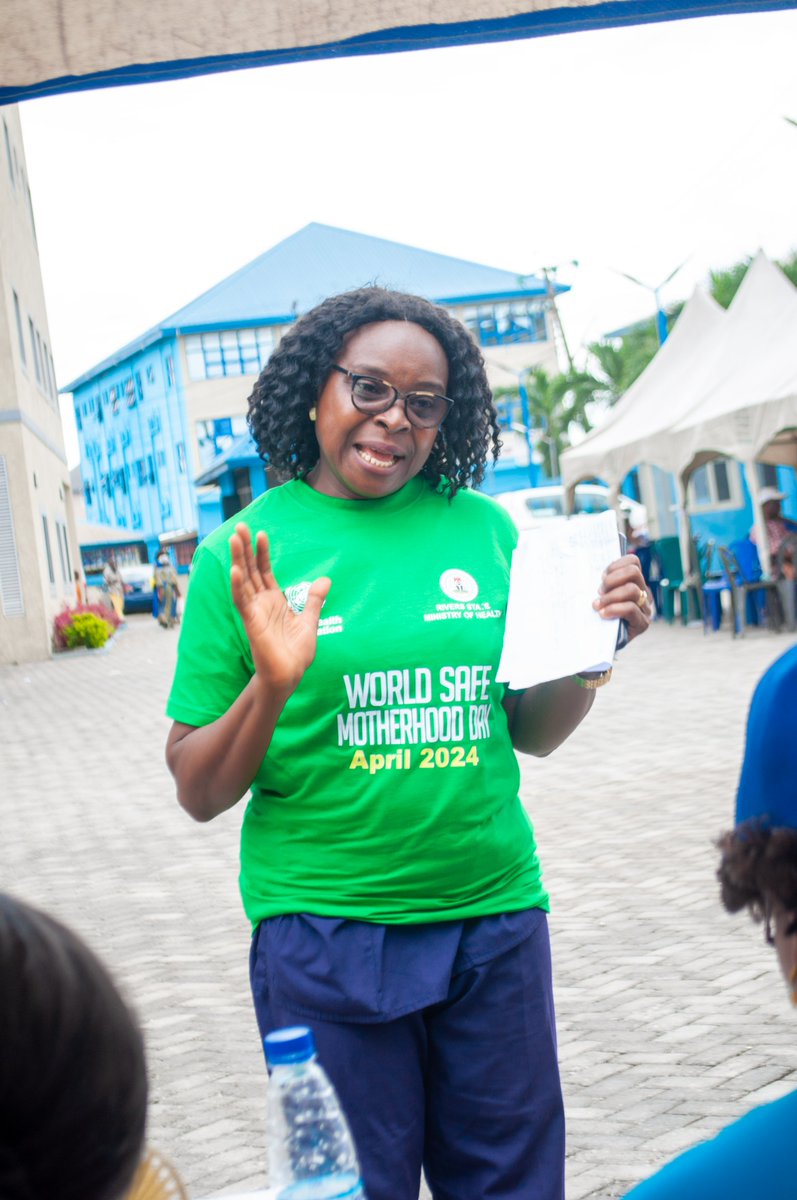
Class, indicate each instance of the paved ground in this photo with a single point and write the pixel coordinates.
(672, 1017)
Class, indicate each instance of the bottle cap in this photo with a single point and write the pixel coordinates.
(292, 1045)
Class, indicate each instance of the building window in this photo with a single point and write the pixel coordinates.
(20, 333)
(9, 158)
(48, 383)
(767, 475)
(48, 549)
(30, 210)
(68, 572)
(243, 485)
(181, 463)
(169, 371)
(36, 364)
(58, 538)
(715, 485)
(506, 323)
(217, 436)
(39, 356)
(232, 352)
(10, 578)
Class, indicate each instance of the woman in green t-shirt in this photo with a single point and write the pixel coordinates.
(387, 865)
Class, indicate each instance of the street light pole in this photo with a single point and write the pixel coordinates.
(661, 316)
(548, 273)
(525, 411)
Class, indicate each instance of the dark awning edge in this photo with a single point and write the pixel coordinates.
(416, 37)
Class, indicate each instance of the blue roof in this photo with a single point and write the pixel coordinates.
(241, 453)
(320, 261)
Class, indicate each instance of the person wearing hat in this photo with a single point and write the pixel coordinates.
(781, 533)
(755, 1156)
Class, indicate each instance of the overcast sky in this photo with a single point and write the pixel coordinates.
(627, 149)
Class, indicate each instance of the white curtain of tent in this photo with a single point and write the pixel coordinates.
(669, 387)
(753, 398)
(725, 385)
(751, 411)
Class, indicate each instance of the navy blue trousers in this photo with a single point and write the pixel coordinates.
(466, 1086)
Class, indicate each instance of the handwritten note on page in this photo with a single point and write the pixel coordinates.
(552, 630)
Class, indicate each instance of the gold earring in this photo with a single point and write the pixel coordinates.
(312, 413)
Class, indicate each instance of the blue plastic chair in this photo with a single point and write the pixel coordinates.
(712, 586)
(754, 600)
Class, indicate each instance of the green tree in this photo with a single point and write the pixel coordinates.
(619, 361)
(555, 403)
(725, 283)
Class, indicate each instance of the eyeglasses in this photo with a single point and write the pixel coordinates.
(424, 410)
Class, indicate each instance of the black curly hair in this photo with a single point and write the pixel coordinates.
(758, 862)
(294, 377)
(73, 1075)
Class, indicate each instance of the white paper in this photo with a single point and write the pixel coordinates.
(552, 630)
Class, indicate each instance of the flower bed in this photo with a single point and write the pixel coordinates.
(84, 625)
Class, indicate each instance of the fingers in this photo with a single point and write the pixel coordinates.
(315, 599)
(638, 620)
(252, 565)
(624, 594)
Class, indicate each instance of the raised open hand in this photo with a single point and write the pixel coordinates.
(283, 642)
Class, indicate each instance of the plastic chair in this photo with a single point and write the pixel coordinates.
(156, 1179)
(748, 589)
(712, 586)
(673, 584)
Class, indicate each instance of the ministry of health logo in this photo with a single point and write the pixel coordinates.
(458, 585)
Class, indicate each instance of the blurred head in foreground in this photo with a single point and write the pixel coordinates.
(73, 1081)
(758, 869)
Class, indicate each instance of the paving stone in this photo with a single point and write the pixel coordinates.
(672, 1016)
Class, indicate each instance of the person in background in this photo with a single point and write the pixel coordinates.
(755, 1156)
(637, 541)
(114, 585)
(73, 1077)
(781, 532)
(80, 589)
(388, 867)
(167, 590)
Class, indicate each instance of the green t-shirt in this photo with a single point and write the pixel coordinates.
(389, 792)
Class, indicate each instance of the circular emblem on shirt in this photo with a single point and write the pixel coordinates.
(458, 585)
(297, 596)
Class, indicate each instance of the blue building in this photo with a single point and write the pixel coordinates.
(164, 450)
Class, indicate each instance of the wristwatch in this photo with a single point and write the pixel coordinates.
(593, 680)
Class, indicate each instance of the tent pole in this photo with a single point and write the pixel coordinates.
(684, 528)
(759, 524)
(614, 502)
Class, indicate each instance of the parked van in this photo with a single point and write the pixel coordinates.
(531, 507)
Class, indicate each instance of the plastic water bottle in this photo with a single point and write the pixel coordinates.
(311, 1152)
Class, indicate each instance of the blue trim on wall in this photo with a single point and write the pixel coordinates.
(415, 37)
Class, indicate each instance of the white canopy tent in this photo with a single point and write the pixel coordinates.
(725, 385)
(62, 45)
(668, 389)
